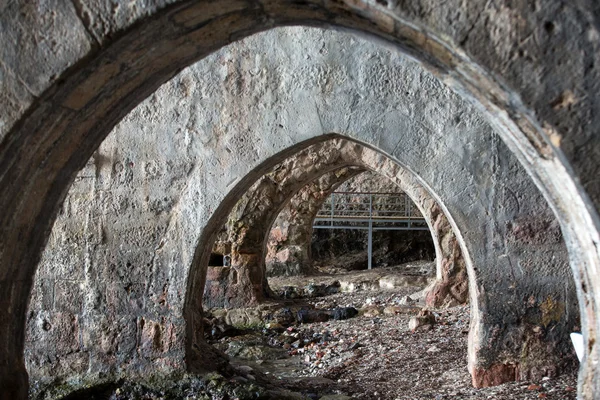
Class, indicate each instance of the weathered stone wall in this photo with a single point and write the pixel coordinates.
(370, 181)
(68, 76)
(125, 240)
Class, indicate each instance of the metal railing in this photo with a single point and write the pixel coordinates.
(373, 211)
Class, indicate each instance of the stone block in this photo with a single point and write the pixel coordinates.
(243, 318)
(58, 332)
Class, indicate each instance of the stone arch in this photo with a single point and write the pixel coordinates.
(253, 215)
(48, 143)
(482, 376)
(452, 282)
(244, 283)
(299, 214)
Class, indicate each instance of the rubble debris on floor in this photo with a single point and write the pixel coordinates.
(392, 349)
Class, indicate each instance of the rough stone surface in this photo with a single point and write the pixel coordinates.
(288, 246)
(424, 320)
(534, 70)
(127, 230)
(32, 59)
(452, 285)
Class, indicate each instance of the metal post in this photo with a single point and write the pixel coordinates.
(332, 207)
(408, 210)
(370, 248)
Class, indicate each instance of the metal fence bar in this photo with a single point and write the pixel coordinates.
(379, 228)
(332, 206)
(380, 211)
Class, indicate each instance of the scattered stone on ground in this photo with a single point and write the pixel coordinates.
(362, 344)
(333, 279)
(393, 349)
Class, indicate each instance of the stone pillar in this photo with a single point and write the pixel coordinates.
(288, 246)
(452, 285)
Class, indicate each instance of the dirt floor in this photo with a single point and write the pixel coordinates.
(375, 355)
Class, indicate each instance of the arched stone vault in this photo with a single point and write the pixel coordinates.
(510, 239)
(47, 144)
(249, 221)
(298, 216)
(244, 283)
(430, 129)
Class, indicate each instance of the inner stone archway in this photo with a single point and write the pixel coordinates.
(454, 152)
(242, 238)
(481, 377)
(23, 261)
(245, 234)
(289, 243)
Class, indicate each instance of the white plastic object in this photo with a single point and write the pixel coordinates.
(577, 339)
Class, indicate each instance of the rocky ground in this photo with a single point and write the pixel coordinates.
(372, 341)
(375, 355)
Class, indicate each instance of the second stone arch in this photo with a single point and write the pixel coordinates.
(324, 166)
